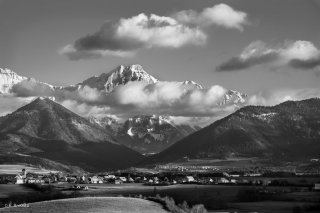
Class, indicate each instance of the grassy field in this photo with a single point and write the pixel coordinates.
(214, 197)
(91, 204)
(270, 207)
(12, 189)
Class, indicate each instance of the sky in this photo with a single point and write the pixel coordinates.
(252, 46)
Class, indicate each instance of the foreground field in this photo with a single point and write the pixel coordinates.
(216, 198)
(7, 190)
(92, 204)
(271, 207)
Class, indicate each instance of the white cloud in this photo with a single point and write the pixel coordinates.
(124, 37)
(85, 109)
(168, 98)
(158, 31)
(300, 50)
(184, 103)
(127, 35)
(297, 54)
(31, 87)
(221, 15)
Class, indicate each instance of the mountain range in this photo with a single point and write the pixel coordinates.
(143, 133)
(44, 131)
(289, 131)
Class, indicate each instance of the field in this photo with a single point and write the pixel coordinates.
(240, 198)
(217, 197)
(12, 189)
(270, 207)
(91, 204)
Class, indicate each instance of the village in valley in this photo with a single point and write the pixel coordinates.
(214, 187)
(171, 175)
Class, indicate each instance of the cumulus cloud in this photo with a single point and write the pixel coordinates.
(170, 98)
(193, 107)
(85, 109)
(31, 87)
(183, 103)
(221, 15)
(296, 54)
(163, 98)
(127, 35)
(158, 31)
(124, 37)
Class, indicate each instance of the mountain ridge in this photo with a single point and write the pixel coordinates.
(148, 133)
(46, 129)
(106, 83)
(280, 132)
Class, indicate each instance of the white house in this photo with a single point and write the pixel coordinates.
(223, 180)
(95, 179)
(189, 179)
(123, 179)
(118, 182)
(110, 177)
(233, 181)
(19, 179)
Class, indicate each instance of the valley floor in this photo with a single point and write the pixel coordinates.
(216, 198)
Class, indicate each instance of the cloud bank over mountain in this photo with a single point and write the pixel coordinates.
(185, 104)
(126, 36)
(172, 98)
(128, 91)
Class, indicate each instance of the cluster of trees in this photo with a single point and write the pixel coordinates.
(170, 205)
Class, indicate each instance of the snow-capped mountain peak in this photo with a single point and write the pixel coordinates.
(119, 76)
(233, 97)
(8, 78)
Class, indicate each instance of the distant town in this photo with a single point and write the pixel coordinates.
(171, 174)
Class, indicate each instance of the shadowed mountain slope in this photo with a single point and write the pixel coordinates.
(46, 129)
(288, 131)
